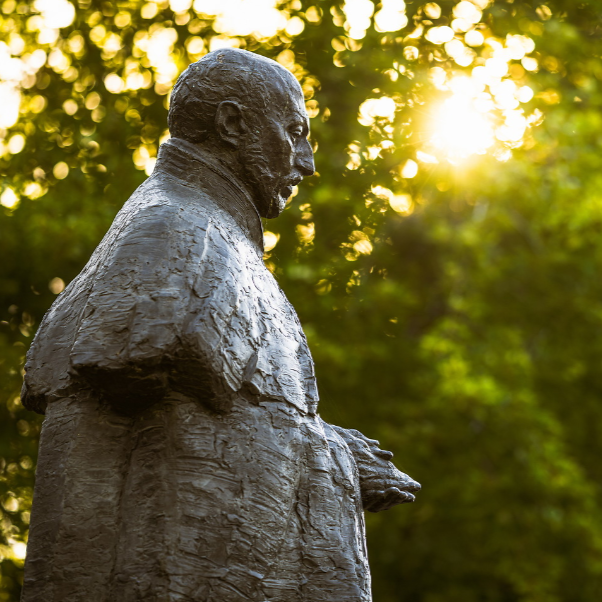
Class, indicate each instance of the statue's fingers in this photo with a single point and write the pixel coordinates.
(389, 498)
(358, 435)
(383, 453)
(397, 496)
(405, 483)
(411, 485)
(384, 499)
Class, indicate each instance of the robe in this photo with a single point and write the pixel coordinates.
(181, 456)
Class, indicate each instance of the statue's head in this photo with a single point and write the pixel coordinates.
(252, 109)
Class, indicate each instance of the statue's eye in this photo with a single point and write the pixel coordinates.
(296, 132)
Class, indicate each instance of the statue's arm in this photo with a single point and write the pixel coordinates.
(131, 347)
(382, 484)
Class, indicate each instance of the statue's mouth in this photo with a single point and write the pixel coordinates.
(287, 191)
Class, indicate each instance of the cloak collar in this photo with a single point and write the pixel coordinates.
(200, 170)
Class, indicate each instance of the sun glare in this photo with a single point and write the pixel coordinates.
(483, 111)
(484, 108)
(459, 130)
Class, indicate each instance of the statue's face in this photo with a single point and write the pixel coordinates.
(276, 154)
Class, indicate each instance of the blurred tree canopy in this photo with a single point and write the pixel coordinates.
(445, 262)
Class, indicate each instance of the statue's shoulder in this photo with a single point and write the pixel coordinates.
(161, 218)
(165, 197)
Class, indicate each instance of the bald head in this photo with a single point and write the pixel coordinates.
(249, 79)
(249, 113)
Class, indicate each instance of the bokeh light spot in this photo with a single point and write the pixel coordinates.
(9, 199)
(270, 240)
(56, 285)
(60, 170)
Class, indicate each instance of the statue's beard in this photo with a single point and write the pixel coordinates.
(267, 187)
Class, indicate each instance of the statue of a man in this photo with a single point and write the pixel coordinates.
(182, 458)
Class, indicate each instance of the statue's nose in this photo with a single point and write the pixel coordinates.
(304, 160)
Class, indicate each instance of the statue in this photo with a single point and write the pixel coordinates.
(182, 457)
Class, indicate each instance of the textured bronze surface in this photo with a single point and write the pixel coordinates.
(182, 457)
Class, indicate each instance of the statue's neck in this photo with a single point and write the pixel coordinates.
(201, 168)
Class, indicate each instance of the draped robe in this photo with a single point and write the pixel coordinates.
(181, 456)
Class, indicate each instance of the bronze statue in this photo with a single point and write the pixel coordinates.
(182, 457)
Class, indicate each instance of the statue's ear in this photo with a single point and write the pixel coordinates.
(229, 123)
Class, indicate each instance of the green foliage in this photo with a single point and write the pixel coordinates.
(461, 330)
